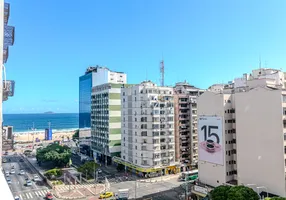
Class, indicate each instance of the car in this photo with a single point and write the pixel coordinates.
(106, 195)
(21, 172)
(4, 160)
(28, 183)
(7, 173)
(6, 153)
(49, 196)
(12, 171)
(36, 178)
(8, 180)
(17, 198)
(99, 171)
(15, 153)
(26, 178)
(13, 167)
(21, 160)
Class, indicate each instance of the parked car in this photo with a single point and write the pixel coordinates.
(106, 195)
(28, 183)
(21, 160)
(7, 173)
(12, 171)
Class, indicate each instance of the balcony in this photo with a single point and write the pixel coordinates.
(6, 12)
(8, 89)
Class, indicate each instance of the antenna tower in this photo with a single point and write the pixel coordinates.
(162, 72)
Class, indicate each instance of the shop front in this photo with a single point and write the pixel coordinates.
(147, 172)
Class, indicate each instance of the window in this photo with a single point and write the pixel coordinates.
(284, 98)
(144, 133)
(136, 147)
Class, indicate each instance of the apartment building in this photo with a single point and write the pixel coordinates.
(242, 133)
(106, 121)
(186, 137)
(147, 129)
(94, 76)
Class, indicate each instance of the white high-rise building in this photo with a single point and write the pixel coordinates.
(242, 133)
(147, 129)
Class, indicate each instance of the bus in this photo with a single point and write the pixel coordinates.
(189, 175)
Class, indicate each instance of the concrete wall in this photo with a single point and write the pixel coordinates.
(260, 149)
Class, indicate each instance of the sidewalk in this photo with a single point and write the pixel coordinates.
(63, 191)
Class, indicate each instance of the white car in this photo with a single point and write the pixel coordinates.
(12, 171)
(7, 173)
(8, 180)
(36, 178)
(21, 172)
(17, 198)
(29, 183)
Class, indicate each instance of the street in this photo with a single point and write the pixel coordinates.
(18, 186)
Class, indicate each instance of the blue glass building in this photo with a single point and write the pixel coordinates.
(85, 87)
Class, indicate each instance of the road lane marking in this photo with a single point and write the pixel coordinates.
(28, 197)
(20, 196)
(36, 193)
(31, 195)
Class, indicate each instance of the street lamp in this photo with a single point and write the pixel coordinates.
(260, 187)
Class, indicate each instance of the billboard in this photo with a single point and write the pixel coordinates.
(48, 134)
(210, 139)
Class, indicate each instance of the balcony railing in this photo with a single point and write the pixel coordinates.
(8, 89)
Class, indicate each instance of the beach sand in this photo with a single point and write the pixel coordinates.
(29, 136)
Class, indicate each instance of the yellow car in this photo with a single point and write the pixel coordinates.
(106, 195)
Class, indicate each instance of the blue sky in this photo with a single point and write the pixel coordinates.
(203, 42)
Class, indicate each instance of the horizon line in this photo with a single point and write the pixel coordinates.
(36, 113)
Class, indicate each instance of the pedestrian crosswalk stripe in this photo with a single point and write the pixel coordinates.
(36, 193)
(42, 193)
(30, 195)
(20, 196)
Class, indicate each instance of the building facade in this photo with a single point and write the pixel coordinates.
(242, 133)
(186, 137)
(147, 130)
(94, 76)
(106, 121)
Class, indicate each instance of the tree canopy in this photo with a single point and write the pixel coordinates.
(234, 193)
(88, 169)
(59, 155)
(75, 135)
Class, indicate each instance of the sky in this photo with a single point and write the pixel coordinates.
(202, 42)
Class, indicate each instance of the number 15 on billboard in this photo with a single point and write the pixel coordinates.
(210, 139)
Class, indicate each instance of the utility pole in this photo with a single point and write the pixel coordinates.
(135, 189)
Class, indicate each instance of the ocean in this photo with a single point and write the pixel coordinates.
(24, 122)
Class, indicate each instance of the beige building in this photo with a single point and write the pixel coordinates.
(186, 137)
(253, 127)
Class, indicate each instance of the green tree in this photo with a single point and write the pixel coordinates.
(53, 173)
(220, 193)
(75, 135)
(276, 198)
(55, 153)
(242, 192)
(88, 169)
